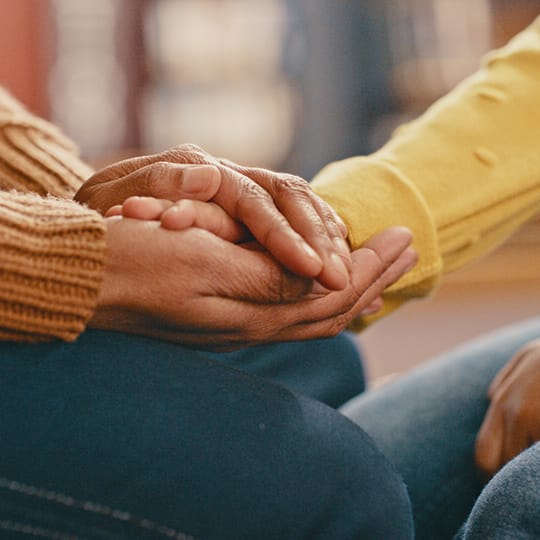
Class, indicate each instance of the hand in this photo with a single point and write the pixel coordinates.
(280, 210)
(184, 214)
(192, 287)
(512, 422)
(181, 215)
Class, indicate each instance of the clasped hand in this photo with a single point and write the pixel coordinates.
(512, 422)
(200, 289)
(280, 210)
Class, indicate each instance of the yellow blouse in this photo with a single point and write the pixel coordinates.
(462, 177)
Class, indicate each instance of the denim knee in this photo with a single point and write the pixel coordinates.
(509, 506)
(364, 496)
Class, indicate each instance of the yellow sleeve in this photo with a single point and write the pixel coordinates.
(463, 177)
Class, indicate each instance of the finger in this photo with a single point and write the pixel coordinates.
(397, 269)
(147, 208)
(256, 278)
(328, 214)
(490, 441)
(162, 180)
(327, 244)
(315, 221)
(504, 373)
(334, 224)
(310, 327)
(208, 216)
(373, 308)
(247, 202)
(340, 317)
(115, 210)
(255, 275)
(292, 197)
(515, 437)
(373, 269)
(502, 376)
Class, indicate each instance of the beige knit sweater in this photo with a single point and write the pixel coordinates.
(51, 248)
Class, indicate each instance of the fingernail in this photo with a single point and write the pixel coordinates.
(371, 310)
(311, 262)
(311, 253)
(197, 178)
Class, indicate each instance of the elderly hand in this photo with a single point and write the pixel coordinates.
(512, 422)
(194, 288)
(280, 210)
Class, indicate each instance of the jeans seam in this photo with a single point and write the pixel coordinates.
(91, 507)
(37, 532)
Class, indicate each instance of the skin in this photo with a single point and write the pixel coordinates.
(181, 215)
(153, 285)
(280, 210)
(512, 422)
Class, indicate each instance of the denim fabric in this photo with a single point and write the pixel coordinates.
(328, 370)
(509, 506)
(426, 424)
(123, 437)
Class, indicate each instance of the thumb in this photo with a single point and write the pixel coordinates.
(163, 180)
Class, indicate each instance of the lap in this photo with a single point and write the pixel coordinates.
(509, 506)
(329, 370)
(97, 438)
(426, 423)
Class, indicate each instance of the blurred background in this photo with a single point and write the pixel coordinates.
(285, 84)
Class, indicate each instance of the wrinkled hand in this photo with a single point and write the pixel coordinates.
(181, 215)
(512, 422)
(280, 210)
(194, 288)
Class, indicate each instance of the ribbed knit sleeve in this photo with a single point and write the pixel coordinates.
(35, 156)
(51, 259)
(463, 177)
(51, 248)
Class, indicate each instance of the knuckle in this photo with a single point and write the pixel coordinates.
(150, 174)
(82, 194)
(188, 153)
(249, 192)
(189, 147)
(337, 326)
(291, 185)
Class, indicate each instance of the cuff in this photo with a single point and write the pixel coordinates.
(51, 261)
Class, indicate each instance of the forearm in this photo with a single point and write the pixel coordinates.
(34, 155)
(51, 261)
(463, 176)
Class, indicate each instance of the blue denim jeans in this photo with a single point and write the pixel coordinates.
(426, 424)
(509, 506)
(122, 437)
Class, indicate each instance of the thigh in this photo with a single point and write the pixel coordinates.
(509, 506)
(121, 437)
(426, 423)
(328, 370)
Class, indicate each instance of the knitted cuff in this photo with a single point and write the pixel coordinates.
(34, 155)
(51, 262)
